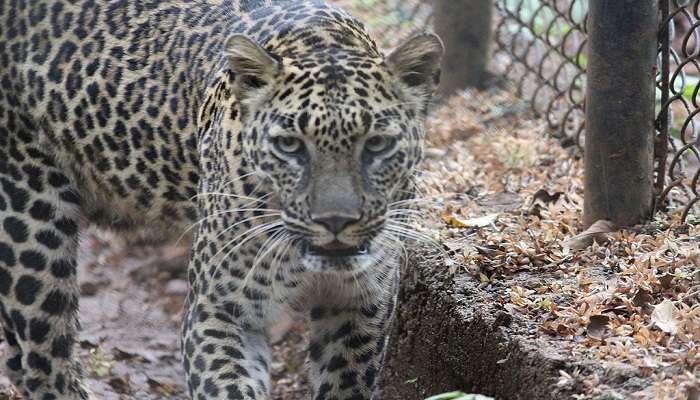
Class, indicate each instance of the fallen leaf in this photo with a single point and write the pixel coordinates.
(649, 362)
(596, 233)
(121, 355)
(597, 326)
(664, 316)
(459, 396)
(435, 152)
(480, 222)
(642, 298)
(694, 257)
(666, 280)
(544, 196)
(163, 388)
(565, 379)
(500, 202)
(120, 385)
(604, 295)
(86, 344)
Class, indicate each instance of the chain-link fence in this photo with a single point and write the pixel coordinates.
(391, 20)
(678, 103)
(540, 48)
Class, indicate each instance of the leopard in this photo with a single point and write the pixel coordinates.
(275, 134)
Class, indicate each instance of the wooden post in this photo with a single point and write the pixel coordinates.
(622, 45)
(465, 28)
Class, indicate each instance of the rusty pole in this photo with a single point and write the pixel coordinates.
(465, 28)
(622, 45)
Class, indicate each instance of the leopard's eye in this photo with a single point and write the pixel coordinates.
(288, 144)
(378, 144)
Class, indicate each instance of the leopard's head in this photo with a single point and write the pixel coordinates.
(338, 135)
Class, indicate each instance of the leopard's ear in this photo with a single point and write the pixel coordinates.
(253, 67)
(416, 62)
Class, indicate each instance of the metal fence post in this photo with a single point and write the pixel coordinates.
(465, 27)
(622, 46)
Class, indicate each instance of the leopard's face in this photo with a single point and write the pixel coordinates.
(338, 141)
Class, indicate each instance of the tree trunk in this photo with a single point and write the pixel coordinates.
(622, 44)
(465, 28)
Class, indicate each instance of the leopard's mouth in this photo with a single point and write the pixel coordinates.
(335, 249)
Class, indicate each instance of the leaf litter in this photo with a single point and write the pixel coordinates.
(609, 296)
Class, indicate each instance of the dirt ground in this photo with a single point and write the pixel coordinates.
(130, 309)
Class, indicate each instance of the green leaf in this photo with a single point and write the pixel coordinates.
(689, 91)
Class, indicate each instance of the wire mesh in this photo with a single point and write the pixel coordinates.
(392, 20)
(678, 104)
(540, 46)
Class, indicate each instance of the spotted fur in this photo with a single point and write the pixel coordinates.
(275, 130)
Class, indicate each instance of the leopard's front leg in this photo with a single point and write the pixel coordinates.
(226, 351)
(225, 355)
(348, 345)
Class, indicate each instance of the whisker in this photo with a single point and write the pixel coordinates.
(277, 259)
(235, 196)
(254, 232)
(418, 200)
(411, 233)
(189, 228)
(263, 251)
(238, 178)
(229, 228)
(408, 230)
(406, 212)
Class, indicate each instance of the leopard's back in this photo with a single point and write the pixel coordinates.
(110, 92)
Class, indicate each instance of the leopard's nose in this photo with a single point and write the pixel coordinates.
(335, 223)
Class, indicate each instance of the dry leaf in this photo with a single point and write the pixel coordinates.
(694, 257)
(604, 295)
(120, 385)
(121, 355)
(664, 316)
(596, 233)
(163, 388)
(666, 280)
(597, 326)
(480, 222)
(642, 298)
(435, 152)
(544, 196)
